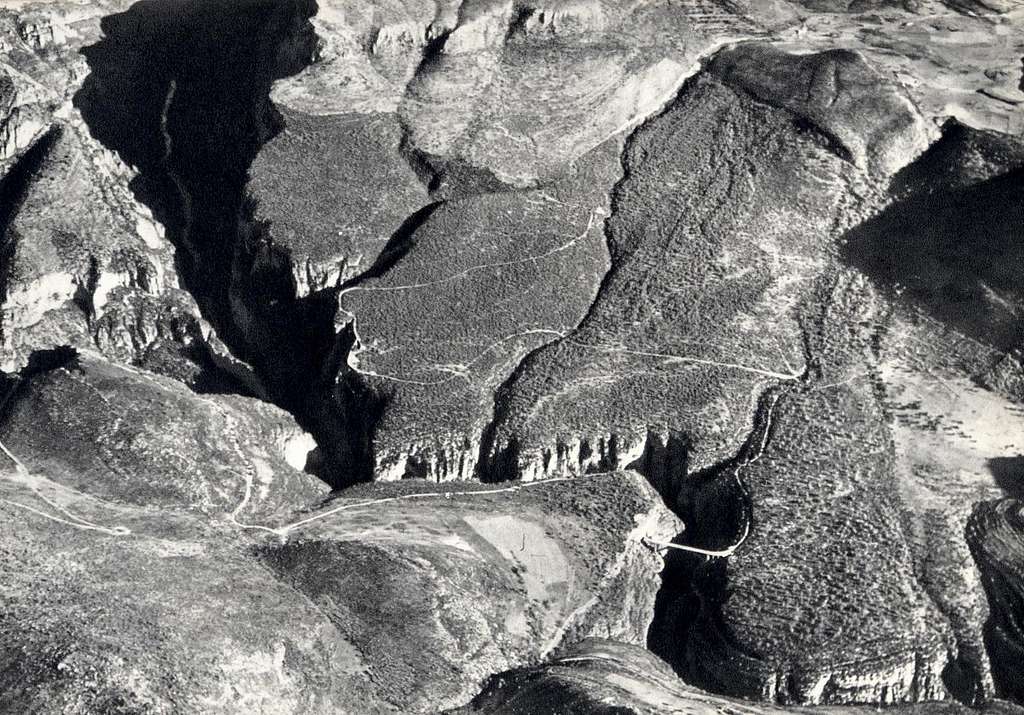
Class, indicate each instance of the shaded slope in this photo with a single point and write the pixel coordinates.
(964, 263)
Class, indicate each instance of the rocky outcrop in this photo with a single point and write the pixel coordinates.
(481, 86)
(602, 676)
(128, 436)
(61, 272)
(79, 276)
(40, 70)
(20, 126)
(180, 92)
(995, 533)
(365, 56)
(838, 93)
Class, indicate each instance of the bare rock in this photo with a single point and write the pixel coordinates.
(944, 79)
(366, 56)
(20, 125)
(996, 535)
(62, 269)
(520, 124)
(482, 85)
(77, 276)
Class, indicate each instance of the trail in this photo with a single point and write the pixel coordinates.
(668, 358)
(282, 532)
(483, 266)
(457, 370)
(73, 520)
(737, 475)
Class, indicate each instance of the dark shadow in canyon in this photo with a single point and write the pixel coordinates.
(1008, 473)
(715, 508)
(180, 90)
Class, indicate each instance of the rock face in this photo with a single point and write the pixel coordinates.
(100, 273)
(62, 275)
(482, 86)
(601, 676)
(40, 69)
(995, 534)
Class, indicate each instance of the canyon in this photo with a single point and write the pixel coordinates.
(492, 356)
